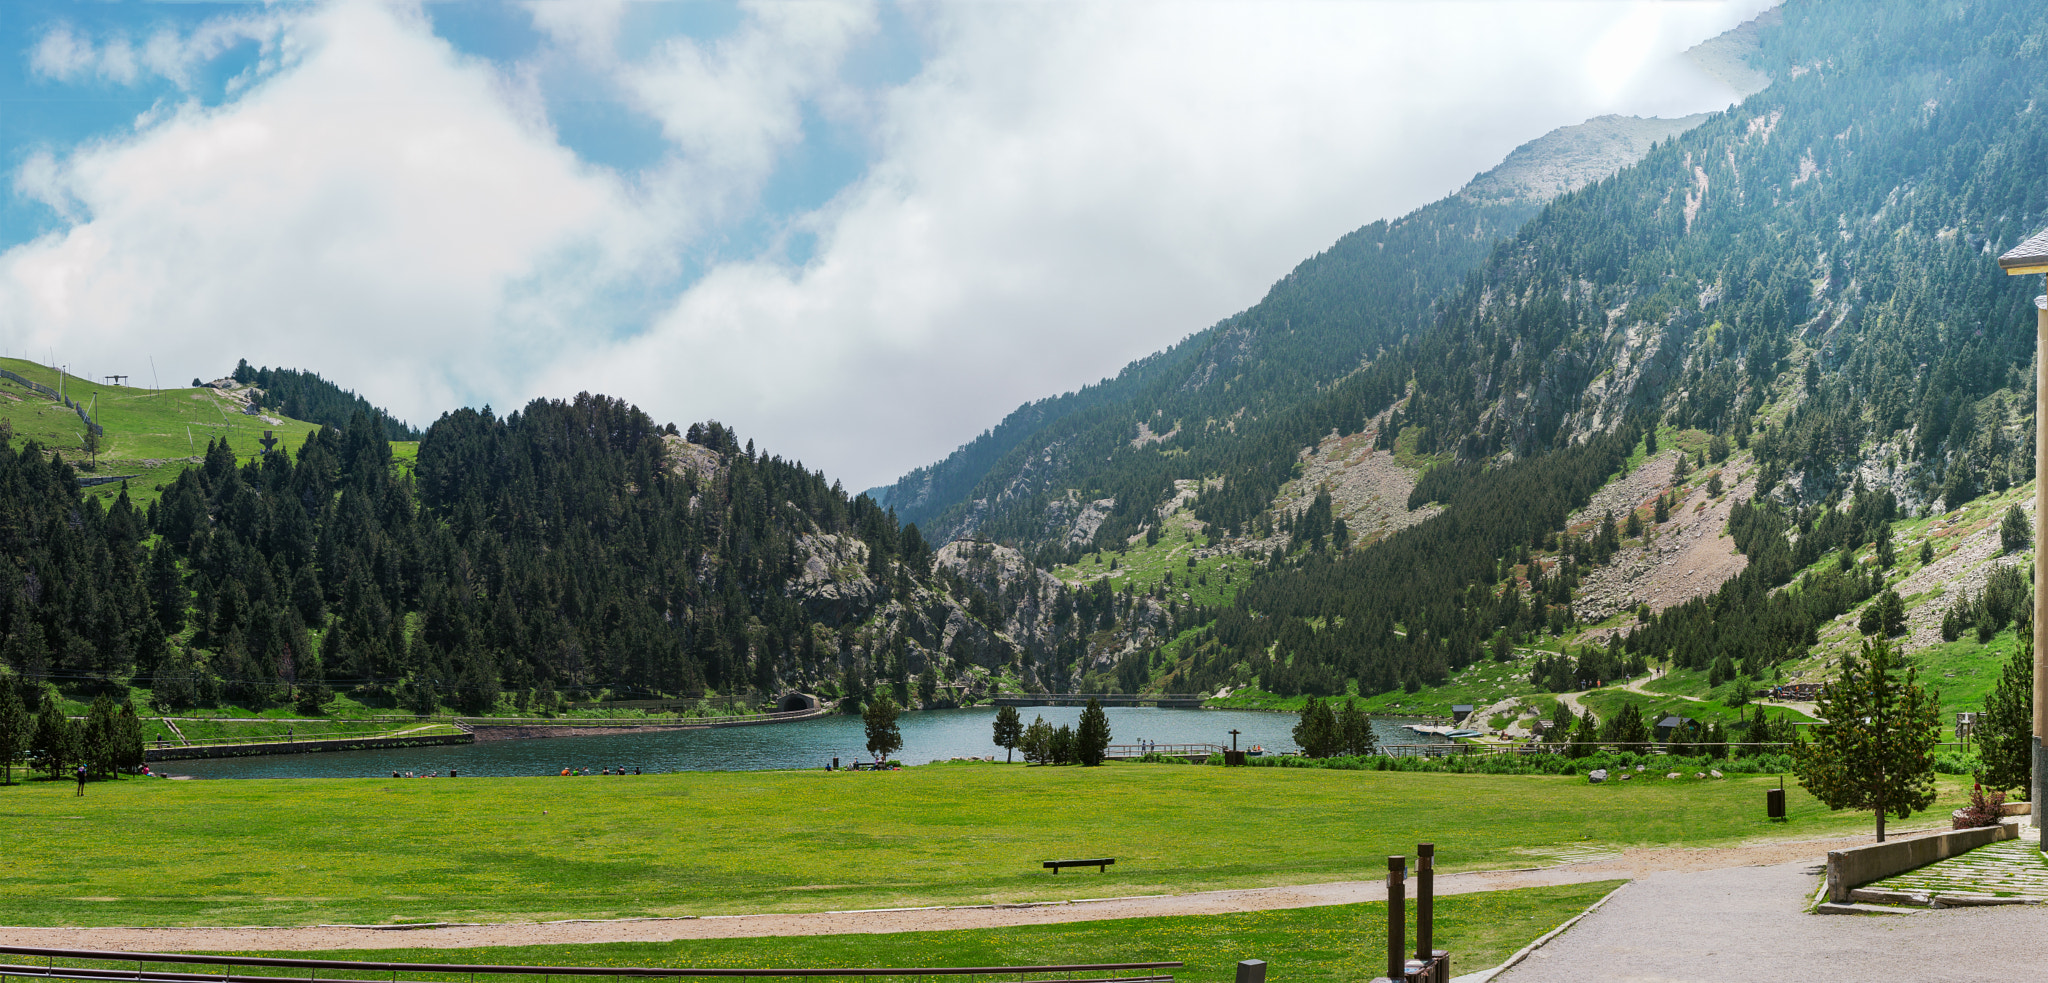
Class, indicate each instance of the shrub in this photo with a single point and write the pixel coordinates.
(1985, 809)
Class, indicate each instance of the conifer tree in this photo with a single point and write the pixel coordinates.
(1626, 729)
(1009, 731)
(1037, 742)
(128, 740)
(1357, 730)
(1060, 748)
(54, 743)
(879, 717)
(2013, 531)
(1876, 750)
(1317, 732)
(1561, 720)
(17, 726)
(1585, 737)
(1091, 738)
(96, 738)
(2005, 731)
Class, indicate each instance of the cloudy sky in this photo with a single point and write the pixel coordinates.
(858, 233)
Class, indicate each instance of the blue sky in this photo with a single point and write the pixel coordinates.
(858, 232)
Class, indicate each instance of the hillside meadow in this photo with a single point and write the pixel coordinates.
(293, 852)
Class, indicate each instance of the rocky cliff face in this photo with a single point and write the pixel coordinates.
(1571, 157)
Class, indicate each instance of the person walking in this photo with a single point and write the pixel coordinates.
(81, 779)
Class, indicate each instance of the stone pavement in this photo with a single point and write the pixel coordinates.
(1749, 924)
(2012, 869)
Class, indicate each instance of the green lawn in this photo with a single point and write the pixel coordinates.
(1332, 944)
(143, 852)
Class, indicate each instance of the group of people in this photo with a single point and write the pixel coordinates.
(601, 771)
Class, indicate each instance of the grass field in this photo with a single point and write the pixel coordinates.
(150, 433)
(375, 850)
(1302, 945)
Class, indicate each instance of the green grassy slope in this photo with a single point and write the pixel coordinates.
(152, 434)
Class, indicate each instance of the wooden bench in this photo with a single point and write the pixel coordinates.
(1101, 864)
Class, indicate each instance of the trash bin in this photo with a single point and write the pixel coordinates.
(1774, 803)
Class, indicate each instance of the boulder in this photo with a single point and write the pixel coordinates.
(1597, 775)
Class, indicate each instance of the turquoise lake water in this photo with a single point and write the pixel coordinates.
(927, 735)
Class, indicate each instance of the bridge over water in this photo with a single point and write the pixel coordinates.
(1179, 700)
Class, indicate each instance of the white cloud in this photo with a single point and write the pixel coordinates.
(1060, 188)
(63, 55)
(376, 213)
(1065, 188)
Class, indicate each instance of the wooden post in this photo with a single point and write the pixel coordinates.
(1397, 918)
(1425, 900)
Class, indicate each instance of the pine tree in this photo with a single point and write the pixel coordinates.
(1009, 731)
(1091, 738)
(1357, 730)
(879, 717)
(1876, 751)
(96, 738)
(17, 726)
(1585, 737)
(1060, 749)
(1317, 732)
(1561, 721)
(2005, 732)
(1037, 742)
(54, 745)
(128, 740)
(1626, 729)
(2013, 531)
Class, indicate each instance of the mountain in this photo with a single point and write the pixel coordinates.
(569, 548)
(1216, 400)
(1797, 296)
(1730, 408)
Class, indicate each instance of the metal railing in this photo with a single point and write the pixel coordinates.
(425, 731)
(1143, 972)
(640, 721)
(1176, 750)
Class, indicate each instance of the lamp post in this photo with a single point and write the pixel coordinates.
(2026, 258)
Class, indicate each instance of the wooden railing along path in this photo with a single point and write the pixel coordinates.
(114, 965)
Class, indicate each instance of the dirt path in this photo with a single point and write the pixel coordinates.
(1630, 864)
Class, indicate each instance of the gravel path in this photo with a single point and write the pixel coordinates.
(1747, 924)
(1635, 863)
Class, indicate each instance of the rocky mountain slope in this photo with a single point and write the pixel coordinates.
(1799, 292)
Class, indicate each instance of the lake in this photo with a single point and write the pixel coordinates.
(927, 735)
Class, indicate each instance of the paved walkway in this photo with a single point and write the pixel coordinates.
(1748, 924)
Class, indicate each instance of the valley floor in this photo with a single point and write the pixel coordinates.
(1596, 866)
